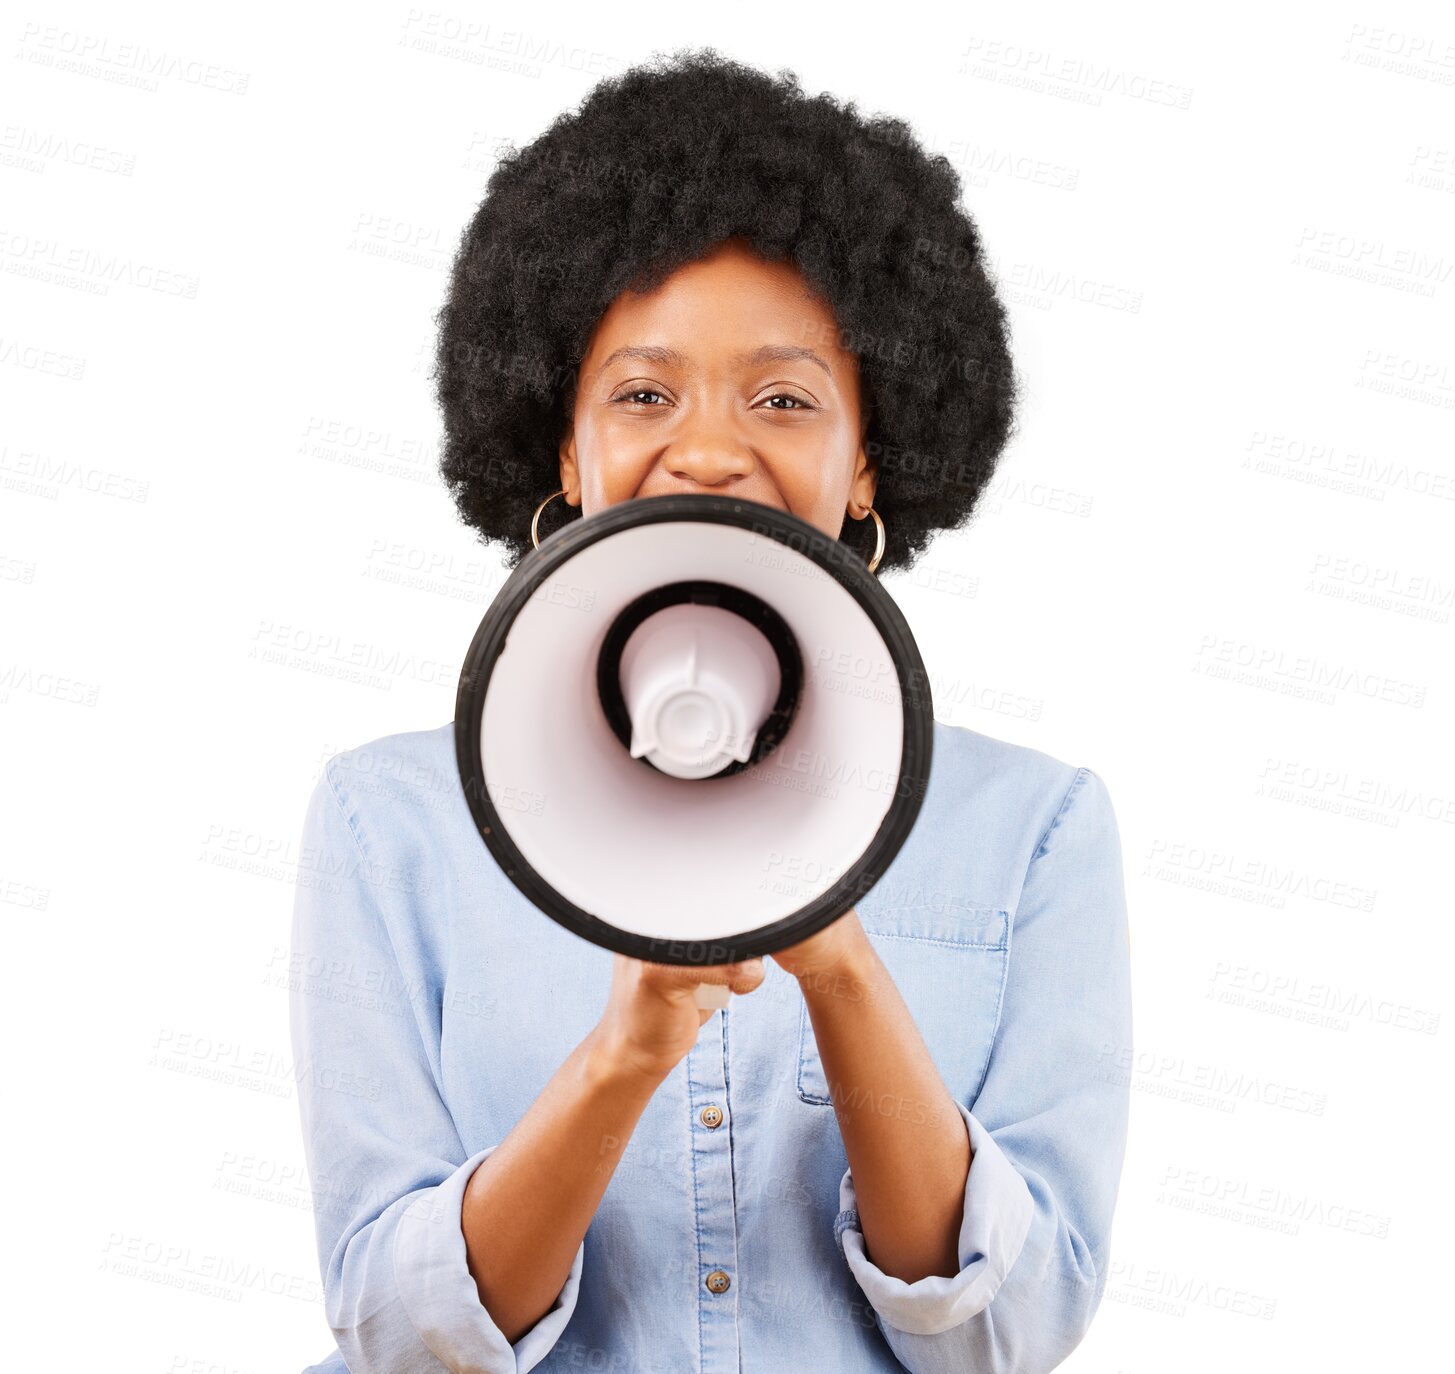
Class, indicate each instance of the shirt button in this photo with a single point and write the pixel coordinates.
(711, 1117)
(718, 1282)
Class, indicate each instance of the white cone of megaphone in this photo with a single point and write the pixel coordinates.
(698, 682)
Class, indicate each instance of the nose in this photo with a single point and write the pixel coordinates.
(709, 456)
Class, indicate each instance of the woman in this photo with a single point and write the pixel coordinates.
(899, 1146)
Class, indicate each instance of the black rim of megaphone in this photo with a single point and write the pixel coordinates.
(836, 559)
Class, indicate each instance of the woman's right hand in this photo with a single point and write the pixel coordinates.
(652, 1018)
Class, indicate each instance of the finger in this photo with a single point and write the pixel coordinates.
(748, 974)
(743, 976)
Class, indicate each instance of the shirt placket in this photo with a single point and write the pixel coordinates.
(712, 1185)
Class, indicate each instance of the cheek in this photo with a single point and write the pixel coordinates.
(816, 481)
(611, 467)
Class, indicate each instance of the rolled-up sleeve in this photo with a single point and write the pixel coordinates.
(997, 1214)
(387, 1168)
(1047, 1130)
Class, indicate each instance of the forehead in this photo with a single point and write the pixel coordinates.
(720, 306)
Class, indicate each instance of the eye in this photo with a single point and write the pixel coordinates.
(632, 393)
(798, 402)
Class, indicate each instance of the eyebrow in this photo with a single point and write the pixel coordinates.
(670, 357)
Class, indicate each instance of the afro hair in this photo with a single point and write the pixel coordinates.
(657, 166)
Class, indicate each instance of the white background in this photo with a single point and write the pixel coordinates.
(1215, 567)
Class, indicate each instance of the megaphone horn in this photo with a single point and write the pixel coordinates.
(695, 688)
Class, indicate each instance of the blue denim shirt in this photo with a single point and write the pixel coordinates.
(431, 1003)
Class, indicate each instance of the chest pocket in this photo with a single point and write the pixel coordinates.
(949, 964)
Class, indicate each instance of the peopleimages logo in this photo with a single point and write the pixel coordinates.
(1209, 1085)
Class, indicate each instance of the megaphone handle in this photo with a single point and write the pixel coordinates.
(712, 996)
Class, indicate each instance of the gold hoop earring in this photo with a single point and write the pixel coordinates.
(536, 518)
(878, 541)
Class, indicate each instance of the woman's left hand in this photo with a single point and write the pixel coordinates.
(830, 951)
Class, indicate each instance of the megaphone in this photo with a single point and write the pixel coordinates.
(693, 729)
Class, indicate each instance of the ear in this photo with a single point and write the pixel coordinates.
(863, 484)
(570, 473)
